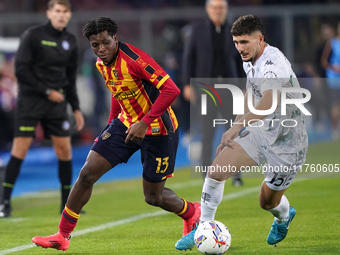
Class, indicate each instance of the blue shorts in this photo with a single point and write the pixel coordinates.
(158, 153)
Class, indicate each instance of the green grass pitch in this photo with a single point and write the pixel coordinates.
(127, 225)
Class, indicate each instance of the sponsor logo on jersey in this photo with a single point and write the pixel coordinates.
(269, 62)
(125, 94)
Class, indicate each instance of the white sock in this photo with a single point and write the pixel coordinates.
(281, 212)
(212, 195)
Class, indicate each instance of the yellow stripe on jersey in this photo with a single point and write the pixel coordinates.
(173, 116)
(101, 68)
(128, 81)
(139, 97)
(160, 83)
(124, 116)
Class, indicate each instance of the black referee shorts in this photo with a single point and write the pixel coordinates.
(158, 153)
(33, 109)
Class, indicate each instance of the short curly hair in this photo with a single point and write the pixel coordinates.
(246, 25)
(101, 24)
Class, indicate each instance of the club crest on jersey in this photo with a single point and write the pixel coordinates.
(65, 45)
(115, 73)
(106, 135)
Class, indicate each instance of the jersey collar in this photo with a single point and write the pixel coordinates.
(251, 66)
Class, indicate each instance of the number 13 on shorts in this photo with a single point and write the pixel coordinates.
(162, 165)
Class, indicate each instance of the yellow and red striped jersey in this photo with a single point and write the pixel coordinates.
(136, 81)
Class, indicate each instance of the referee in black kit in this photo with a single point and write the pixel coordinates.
(46, 68)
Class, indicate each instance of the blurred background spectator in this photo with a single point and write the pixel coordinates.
(210, 53)
(8, 95)
(330, 61)
(327, 32)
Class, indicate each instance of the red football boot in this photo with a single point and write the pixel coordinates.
(56, 241)
(192, 223)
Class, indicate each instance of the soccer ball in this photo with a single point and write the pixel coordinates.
(212, 237)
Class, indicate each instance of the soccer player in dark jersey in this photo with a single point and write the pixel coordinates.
(46, 65)
(141, 119)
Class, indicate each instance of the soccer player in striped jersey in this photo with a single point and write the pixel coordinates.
(141, 118)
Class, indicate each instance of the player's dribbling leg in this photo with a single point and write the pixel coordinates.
(277, 204)
(213, 188)
(158, 195)
(211, 197)
(95, 166)
(278, 232)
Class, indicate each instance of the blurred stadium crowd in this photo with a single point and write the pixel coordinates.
(309, 34)
(90, 5)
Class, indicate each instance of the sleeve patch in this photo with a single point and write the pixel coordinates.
(149, 69)
(270, 74)
(159, 78)
(141, 62)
